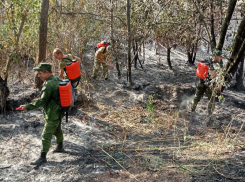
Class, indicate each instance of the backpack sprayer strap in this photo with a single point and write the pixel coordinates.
(104, 50)
(68, 60)
(75, 85)
(57, 102)
(66, 112)
(67, 117)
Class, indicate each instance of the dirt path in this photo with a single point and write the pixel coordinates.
(144, 134)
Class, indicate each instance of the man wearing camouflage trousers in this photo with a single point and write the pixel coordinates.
(203, 86)
(50, 101)
(101, 55)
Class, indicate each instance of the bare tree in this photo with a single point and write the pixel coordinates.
(129, 74)
(239, 76)
(43, 30)
(236, 48)
(225, 24)
(4, 93)
(213, 40)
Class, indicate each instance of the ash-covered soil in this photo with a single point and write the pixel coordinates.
(115, 137)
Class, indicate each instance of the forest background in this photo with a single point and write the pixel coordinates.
(73, 26)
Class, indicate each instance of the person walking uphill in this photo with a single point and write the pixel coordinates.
(57, 53)
(63, 60)
(204, 85)
(50, 101)
(100, 58)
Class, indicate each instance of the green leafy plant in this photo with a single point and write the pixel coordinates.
(150, 105)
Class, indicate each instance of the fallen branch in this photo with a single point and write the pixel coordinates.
(239, 129)
(5, 167)
(166, 148)
(182, 167)
(226, 176)
(153, 139)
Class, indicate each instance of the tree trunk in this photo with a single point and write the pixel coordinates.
(112, 29)
(136, 55)
(221, 12)
(229, 70)
(237, 56)
(237, 60)
(213, 40)
(4, 93)
(239, 76)
(43, 30)
(114, 55)
(189, 56)
(129, 76)
(156, 48)
(168, 58)
(135, 51)
(225, 24)
(237, 44)
(143, 52)
(194, 57)
(118, 70)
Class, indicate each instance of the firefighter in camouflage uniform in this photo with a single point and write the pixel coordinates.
(50, 101)
(64, 59)
(204, 86)
(100, 59)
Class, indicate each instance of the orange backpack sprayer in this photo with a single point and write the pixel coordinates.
(73, 72)
(65, 96)
(202, 70)
(102, 44)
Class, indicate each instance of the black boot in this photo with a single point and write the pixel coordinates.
(41, 160)
(59, 148)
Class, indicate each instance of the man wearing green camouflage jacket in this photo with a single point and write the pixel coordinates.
(203, 85)
(50, 101)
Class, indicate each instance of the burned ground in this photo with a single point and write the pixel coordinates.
(142, 134)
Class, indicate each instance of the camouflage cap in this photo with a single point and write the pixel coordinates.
(43, 67)
(217, 53)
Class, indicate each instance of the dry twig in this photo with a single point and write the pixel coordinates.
(119, 164)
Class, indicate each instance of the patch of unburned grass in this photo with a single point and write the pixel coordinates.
(154, 132)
